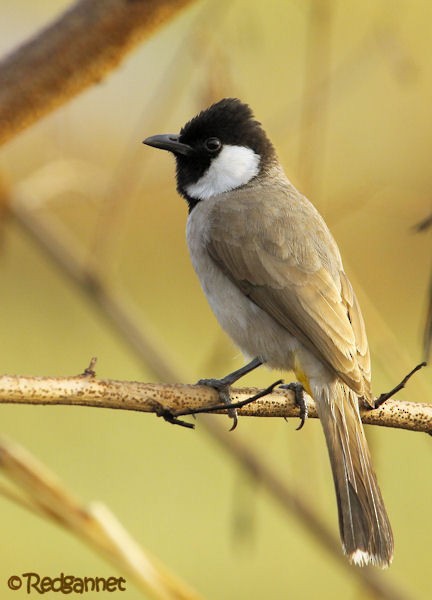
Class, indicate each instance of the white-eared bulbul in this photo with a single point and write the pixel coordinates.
(273, 276)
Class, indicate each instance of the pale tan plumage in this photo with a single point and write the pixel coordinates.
(288, 264)
(273, 276)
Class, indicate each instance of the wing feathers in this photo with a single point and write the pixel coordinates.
(287, 263)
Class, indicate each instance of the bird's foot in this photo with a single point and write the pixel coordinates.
(235, 405)
(223, 389)
(222, 386)
(300, 400)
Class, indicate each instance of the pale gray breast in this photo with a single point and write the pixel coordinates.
(227, 302)
(251, 328)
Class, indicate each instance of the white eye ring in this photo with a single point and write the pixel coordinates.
(213, 144)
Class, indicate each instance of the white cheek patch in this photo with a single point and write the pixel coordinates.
(233, 167)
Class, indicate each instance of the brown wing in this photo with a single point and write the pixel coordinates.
(356, 319)
(288, 264)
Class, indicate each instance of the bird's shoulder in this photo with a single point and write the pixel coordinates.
(272, 217)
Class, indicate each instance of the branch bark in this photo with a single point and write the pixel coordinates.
(75, 51)
(86, 390)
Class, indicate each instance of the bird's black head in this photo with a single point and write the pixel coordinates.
(222, 148)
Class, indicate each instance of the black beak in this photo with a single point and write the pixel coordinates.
(169, 141)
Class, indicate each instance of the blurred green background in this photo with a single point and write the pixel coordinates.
(344, 91)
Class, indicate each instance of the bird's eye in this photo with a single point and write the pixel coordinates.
(212, 144)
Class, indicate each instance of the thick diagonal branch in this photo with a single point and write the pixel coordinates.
(74, 52)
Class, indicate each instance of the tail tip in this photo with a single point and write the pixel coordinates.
(361, 558)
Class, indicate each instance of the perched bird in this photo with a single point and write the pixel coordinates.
(273, 276)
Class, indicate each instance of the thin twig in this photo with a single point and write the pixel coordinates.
(424, 225)
(387, 395)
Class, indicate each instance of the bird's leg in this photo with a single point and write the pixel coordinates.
(228, 380)
(299, 396)
(223, 385)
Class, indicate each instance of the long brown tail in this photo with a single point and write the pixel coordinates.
(363, 522)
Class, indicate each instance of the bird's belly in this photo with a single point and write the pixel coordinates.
(252, 329)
